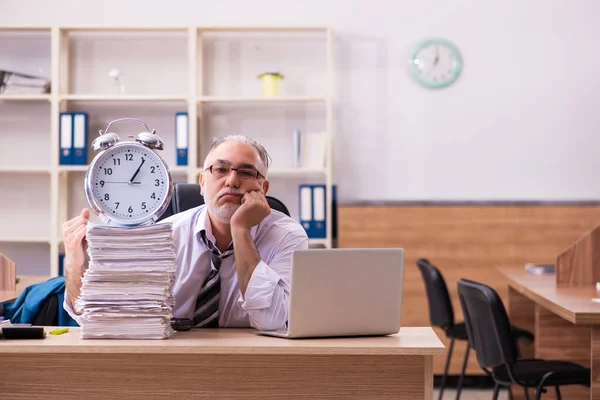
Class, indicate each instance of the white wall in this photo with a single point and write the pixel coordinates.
(519, 124)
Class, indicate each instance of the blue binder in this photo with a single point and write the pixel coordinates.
(65, 133)
(181, 136)
(80, 134)
(313, 209)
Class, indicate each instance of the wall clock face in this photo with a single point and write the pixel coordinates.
(436, 63)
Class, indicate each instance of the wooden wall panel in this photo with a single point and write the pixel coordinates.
(8, 274)
(463, 241)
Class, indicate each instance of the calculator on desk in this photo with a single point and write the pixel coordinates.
(22, 331)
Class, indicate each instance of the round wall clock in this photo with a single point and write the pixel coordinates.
(436, 63)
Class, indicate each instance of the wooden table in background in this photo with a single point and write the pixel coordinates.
(24, 281)
(565, 320)
(223, 364)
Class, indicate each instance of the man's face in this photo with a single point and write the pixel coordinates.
(223, 192)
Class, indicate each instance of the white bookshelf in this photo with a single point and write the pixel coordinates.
(209, 72)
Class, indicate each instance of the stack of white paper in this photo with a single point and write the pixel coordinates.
(126, 292)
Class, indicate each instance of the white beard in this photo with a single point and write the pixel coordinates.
(222, 213)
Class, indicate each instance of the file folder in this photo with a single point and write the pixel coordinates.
(181, 134)
(80, 133)
(313, 206)
(66, 138)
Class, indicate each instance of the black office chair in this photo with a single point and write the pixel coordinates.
(48, 313)
(441, 314)
(489, 333)
(187, 195)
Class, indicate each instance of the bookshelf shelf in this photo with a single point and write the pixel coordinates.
(318, 242)
(24, 239)
(121, 98)
(72, 168)
(305, 99)
(25, 169)
(24, 97)
(265, 29)
(203, 71)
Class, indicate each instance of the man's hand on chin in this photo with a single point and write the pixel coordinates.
(253, 210)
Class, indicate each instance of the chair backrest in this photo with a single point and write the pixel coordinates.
(48, 312)
(440, 307)
(187, 195)
(488, 326)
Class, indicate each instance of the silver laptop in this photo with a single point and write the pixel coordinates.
(344, 292)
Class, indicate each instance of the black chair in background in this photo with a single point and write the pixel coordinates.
(489, 333)
(441, 314)
(187, 196)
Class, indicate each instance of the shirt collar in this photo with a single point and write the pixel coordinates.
(203, 223)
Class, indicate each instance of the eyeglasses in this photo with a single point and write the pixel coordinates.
(222, 170)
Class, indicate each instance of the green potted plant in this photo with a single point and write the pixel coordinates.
(270, 83)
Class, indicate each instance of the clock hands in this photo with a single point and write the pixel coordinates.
(129, 183)
(437, 55)
(137, 171)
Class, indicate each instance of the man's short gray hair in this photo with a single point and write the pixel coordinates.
(262, 152)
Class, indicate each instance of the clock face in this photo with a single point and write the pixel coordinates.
(129, 184)
(436, 63)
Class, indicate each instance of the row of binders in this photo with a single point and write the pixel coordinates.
(313, 210)
(74, 128)
(73, 138)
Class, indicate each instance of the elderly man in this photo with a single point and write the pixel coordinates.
(233, 252)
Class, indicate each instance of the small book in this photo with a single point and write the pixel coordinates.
(540, 269)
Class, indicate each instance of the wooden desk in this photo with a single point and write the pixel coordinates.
(565, 320)
(24, 281)
(221, 363)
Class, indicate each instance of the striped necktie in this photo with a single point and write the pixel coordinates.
(206, 314)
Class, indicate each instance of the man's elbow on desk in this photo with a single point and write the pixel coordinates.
(266, 313)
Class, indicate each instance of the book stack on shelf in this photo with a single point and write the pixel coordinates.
(15, 83)
(191, 84)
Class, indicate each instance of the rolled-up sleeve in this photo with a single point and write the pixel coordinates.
(70, 310)
(267, 296)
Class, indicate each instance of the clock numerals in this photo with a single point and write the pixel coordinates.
(132, 179)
